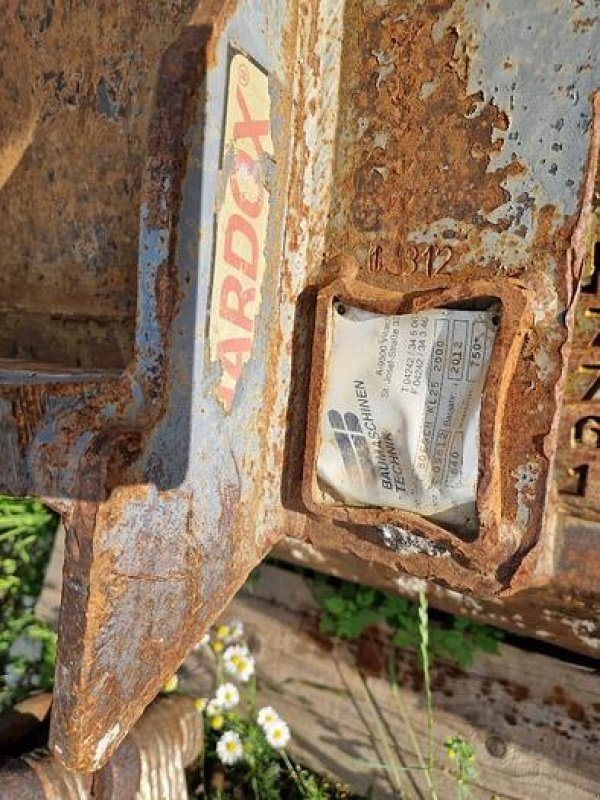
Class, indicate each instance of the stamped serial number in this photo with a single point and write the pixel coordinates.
(411, 259)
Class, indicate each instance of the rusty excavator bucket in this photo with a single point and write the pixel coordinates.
(321, 269)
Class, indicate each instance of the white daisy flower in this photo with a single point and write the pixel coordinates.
(229, 748)
(228, 696)
(246, 669)
(266, 716)
(235, 651)
(204, 642)
(236, 631)
(278, 734)
(213, 707)
(238, 662)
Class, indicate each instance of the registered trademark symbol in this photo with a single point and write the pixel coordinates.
(243, 75)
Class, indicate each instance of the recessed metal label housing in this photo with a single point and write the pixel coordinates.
(400, 416)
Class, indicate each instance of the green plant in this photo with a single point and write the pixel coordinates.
(423, 612)
(348, 609)
(27, 646)
(245, 748)
(462, 754)
(458, 750)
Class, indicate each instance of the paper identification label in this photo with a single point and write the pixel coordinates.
(400, 422)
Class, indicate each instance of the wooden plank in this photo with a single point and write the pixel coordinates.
(532, 719)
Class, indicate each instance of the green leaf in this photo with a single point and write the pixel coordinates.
(335, 604)
(10, 566)
(365, 597)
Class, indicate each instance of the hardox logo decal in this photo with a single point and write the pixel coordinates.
(241, 223)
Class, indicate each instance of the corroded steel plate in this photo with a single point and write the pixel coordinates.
(397, 155)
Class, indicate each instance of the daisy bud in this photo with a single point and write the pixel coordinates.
(171, 684)
(217, 722)
(200, 704)
(222, 631)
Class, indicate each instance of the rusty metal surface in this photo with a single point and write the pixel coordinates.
(156, 539)
(411, 148)
(463, 169)
(76, 97)
(148, 765)
(18, 781)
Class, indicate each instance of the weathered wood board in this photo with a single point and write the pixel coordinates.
(532, 719)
